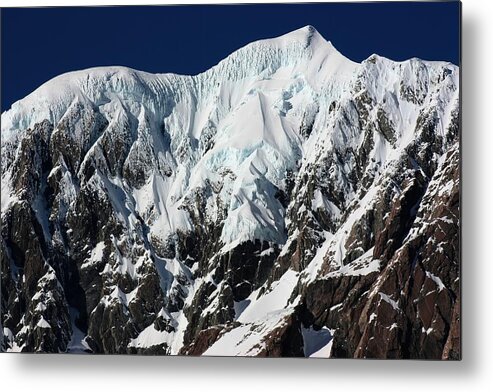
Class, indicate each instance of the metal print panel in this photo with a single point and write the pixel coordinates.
(264, 185)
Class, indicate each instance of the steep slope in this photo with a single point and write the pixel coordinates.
(287, 201)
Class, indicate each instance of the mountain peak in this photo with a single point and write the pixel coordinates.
(308, 29)
(307, 35)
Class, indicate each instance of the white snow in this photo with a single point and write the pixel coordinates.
(436, 279)
(77, 342)
(389, 300)
(363, 265)
(96, 255)
(427, 331)
(247, 339)
(7, 197)
(149, 337)
(317, 344)
(272, 301)
(258, 317)
(42, 323)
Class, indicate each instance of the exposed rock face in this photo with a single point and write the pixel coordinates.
(287, 202)
(409, 309)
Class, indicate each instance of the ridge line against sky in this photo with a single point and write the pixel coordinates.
(41, 43)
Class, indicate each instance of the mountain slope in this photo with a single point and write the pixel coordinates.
(288, 201)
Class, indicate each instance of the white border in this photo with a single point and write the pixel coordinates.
(473, 373)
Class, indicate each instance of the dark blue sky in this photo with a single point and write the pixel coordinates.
(40, 43)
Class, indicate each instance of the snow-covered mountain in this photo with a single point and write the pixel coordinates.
(286, 202)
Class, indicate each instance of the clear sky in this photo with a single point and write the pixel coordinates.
(40, 43)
